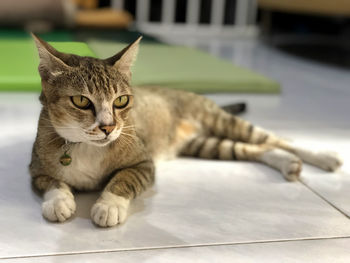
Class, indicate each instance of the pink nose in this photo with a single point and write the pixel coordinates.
(107, 129)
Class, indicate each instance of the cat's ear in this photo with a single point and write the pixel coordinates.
(123, 60)
(51, 64)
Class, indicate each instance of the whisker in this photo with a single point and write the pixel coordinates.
(57, 124)
(59, 127)
(130, 135)
(125, 142)
(94, 134)
(128, 129)
(51, 141)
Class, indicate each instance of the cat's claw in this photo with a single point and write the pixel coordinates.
(59, 206)
(109, 210)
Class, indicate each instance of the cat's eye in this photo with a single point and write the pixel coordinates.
(121, 102)
(81, 102)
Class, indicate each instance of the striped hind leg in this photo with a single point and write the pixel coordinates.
(225, 125)
(326, 160)
(225, 149)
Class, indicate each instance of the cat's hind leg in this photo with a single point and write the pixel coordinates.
(225, 125)
(225, 149)
(326, 160)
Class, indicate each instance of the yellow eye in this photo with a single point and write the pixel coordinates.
(81, 102)
(121, 102)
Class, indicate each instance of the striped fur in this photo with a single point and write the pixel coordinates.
(131, 182)
(224, 149)
(227, 137)
(156, 123)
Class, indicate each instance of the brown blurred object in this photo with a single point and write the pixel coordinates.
(19, 12)
(87, 4)
(42, 15)
(320, 7)
(104, 17)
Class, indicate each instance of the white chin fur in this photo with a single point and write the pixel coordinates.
(76, 137)
(100, 144)
(70, 135)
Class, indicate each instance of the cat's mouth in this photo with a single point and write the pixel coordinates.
(106, 140)
(101, 142)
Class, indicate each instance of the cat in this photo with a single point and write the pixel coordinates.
(95, 131)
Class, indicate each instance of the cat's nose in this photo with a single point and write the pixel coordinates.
(107, 129)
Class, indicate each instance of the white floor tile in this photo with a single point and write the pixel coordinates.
(194, 202)
(201, 202)
(334, 187)
(316, 251)
(313, 108)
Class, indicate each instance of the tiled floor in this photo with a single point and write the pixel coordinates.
(203, 211)
(331, 250)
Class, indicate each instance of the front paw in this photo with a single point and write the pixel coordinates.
(59, 205)
(109, 210)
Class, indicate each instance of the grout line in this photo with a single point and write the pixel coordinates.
(178, 246)
(324, 199)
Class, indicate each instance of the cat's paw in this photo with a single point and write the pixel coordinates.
(329, 161)
(59, 205)
(289, 164)
(109, 210)
(326, 160)
(292, 169)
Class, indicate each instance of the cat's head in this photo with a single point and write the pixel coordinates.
(87, 99)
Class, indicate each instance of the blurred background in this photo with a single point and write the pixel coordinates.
(318, 29)
(288, 60)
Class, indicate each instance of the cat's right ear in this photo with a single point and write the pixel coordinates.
(123, 60)
(50, 64)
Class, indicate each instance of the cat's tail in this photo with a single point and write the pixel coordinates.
(236, 108)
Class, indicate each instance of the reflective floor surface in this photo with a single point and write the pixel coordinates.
(203, 211)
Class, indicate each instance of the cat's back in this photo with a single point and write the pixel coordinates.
(178, 102)
(160, 115)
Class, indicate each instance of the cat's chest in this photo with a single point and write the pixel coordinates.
(88, 167)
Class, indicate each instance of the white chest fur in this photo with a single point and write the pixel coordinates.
(86, 169)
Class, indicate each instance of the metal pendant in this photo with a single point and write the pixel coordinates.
(65, 159)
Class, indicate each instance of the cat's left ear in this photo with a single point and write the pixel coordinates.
(123, 60)
(51, 61)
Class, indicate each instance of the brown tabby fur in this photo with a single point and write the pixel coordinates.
(157, 123)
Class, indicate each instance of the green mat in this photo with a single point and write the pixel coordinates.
(19, 63)
(157, 64)
(19, 58)
(186, 68)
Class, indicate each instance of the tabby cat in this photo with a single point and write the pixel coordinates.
(95, 131)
